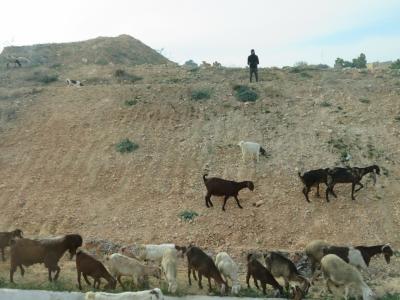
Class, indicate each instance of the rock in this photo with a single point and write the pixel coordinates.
(258, 203)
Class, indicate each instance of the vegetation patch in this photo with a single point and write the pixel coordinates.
(130, 102)
(200, 94)
(123, 76)
(43, 77)
(272, 92)
(188, 215)
(364, 100)
(343, 149)
(126, 146)
(245, 93)
(395, 65)
(325, 103)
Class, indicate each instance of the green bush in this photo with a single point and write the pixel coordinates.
(201, 94)
(244, 93)
(188, 215)
(359, 62)
(126, 146)
(191, 64)
(395, 65)
(42, 77)
(130, 102)
(122, 76)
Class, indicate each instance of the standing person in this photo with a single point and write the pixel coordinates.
(252, 61)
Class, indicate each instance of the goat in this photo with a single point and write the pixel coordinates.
(221, 187)
(121, 265)
(256, 270)
(252, 149)
(7, 238)
(349, 175)
(48, 251)
(280, 266)
(313, 178)
(150, 252)
(369, 252)
(314, 251)
(87, 265)
(154, 294)
(229, 269)
(168, 264)
(339, 273)
(72, 82)
(348, 254)
(204, 265)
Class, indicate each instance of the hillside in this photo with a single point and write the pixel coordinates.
(123, 49)
(60, 171)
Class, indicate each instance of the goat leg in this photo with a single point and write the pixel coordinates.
(21, 268)
(190, 281)
(120, 282)
(247, 280)
(58, 269)
(305, 192)
(318, 190)
(200, 285)
(50, 279)
(352, 191)
(225, 199)
(79, 280)
(255, 283)
(361, 186)
(12, 270)
(264, 287)
(194, 274)
(209, 284)
(86, 279)
(237, 201)
(207, 200)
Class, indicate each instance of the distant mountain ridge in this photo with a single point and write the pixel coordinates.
(122, 49)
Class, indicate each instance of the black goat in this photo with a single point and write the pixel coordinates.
(221, 187)
(7, 238)
(348, 175)
(256, 270)
(313, 178)
(369, 252)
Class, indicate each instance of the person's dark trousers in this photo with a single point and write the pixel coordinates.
(255, 71)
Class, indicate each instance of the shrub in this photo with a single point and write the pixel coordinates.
(359, 62)
(301, 64)
(188, 215)
(191, 64)
(364, 100)
(325, 104)
(130, 102)
(126, 146)
(395, 65)
(122, 75)
(42, 77)
(245, 93)
(201, 94)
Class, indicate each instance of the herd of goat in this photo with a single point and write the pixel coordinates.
(339, 265)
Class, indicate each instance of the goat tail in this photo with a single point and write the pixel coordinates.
(204, 177)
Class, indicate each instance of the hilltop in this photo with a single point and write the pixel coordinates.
(123, 49)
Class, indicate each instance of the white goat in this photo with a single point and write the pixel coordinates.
(154, 294)
(229, 269)
(339, 273)
(168, 264)
(251, 149)
(72, 82)
(147, 252)
(121, 265)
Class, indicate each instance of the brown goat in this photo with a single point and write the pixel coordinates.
(256, 270)
(221, 187)
(48, 251)
(369, 252)
(87, 265)
(6, 238)
(204, 265)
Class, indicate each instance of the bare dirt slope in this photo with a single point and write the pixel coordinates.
(60, 171)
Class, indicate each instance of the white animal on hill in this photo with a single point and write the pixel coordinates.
(147, 252)
(251, 149)
(121, 265)
(168, 265)
(72, 82)
(229, 269)
(339, 273)
(154, 294)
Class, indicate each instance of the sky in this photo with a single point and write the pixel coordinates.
(281, 32)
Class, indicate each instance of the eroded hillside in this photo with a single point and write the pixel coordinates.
(60, 171)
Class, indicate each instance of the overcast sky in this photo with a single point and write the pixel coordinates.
(282, 32)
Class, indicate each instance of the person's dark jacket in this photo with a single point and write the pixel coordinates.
(252, 61)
